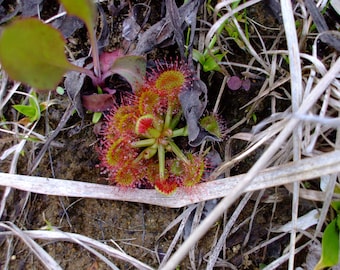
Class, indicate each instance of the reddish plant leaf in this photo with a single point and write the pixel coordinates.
(98, 102)
(246, 84)
(107, 59)
(132, 68)
(144, 123)
(234, 83)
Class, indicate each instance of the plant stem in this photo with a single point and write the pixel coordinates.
(83, 70)
(178, 152)
(95, 52)
(161, 161)
(175, 120)
(168, 117)
(180, 132)
(143, 143)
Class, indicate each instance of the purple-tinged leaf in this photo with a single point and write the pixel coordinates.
(132, 68)
(246, 84)
(67, 25)
(234, 83)
(194, 101)
(107, 59)
(30, 8)
(98, 102)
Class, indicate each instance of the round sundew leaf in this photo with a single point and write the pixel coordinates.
(144, 123)
(165, 186)
(246, 84)
(33, 53)
(210, 123)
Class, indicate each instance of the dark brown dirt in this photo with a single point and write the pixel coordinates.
(134, 227)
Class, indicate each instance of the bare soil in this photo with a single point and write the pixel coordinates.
(134, 227)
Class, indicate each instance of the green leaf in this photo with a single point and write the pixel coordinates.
(27, 110)
(198, 57)
(33, 53)
(132, 68)
(60, 90)
(210, 64)
(83, 9)
(96, 117)
(33, 110)
(210, 123)
(86, 11)
(330, 246)
(336, 205)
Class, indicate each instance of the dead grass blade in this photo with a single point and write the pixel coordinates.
(262, 162)
(226, 231)
(297, 94)
(305, 169)
(89, 243)
(38, 251)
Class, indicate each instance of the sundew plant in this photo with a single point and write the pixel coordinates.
(138, 146)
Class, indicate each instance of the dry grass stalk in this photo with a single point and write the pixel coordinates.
(288, 135)
(305, 169)
(53, 234)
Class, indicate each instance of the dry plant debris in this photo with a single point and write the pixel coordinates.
(269, 69)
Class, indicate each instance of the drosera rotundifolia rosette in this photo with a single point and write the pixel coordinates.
(138, 145)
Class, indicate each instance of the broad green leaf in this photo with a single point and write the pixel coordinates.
(83, 9)
(33, 53)
(210, 63)
(330, 246)
(336, 205)
(28, 111)
(198, 57)
(33, 110)
(132, 68)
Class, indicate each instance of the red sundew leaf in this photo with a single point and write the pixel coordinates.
(193, 170)
(126, 176)
(165, 187)
(246, 84)
(144, 123)
(234, 83)
(98, 102)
